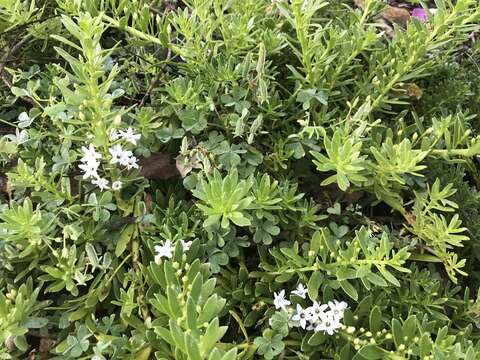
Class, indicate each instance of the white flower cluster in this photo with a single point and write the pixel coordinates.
(166, 249)
(317, 317)
(90, 161)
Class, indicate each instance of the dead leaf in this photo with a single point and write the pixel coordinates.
(3, 184)
(395, 15)
(46, 344)
(389, 15)
(359, 3)
(411, 218)
(185, 165)
(10, 344)
(413, 90)
(158, 167)
(148, 200)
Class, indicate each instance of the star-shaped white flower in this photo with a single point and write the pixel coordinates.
(101, 183)
(118, 154)
(164, 250)
(90, 154)
(116, 185)
(23, 117)
(328, 324)
(279, 300)
(89, 169)
(131, 163)
(315, 311)
(337, 308)
(130, 136)
(186, 245)
(114, 135)
(300, 316)
(300, 291)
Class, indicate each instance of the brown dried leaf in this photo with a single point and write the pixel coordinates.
(3, 184)
(413, 90)
(186, 165)
(158, 167)
(32, 354)
(46, 344)
(148, 200)
(359, 3)
(411, 218)
(395, 15)
(388, 30)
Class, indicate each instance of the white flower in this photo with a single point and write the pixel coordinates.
(301, 317)
(315, 311)
(90, 154)
(118, 154)
(129, 136)
(114, 135)
(19, 137)
(89, 169)
(101, 183)
(164, 250)
(116, 185)
(23, 117)
(132, 163)
(337, 308)
(300, 291)
(279, 300)
(328, 324)
(186, 245)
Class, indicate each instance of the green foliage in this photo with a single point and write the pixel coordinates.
(439, 234)
(224, 200)
(343, 158)
(189, 311)
(18, 310)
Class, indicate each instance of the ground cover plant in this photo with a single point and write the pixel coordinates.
(239, 179)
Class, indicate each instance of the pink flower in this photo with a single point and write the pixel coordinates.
(420, 14)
